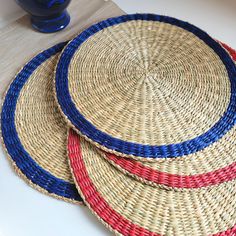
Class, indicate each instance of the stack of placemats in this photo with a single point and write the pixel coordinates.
(134, 117)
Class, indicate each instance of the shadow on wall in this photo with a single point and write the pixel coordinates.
(231, 4)
(9, 11)
(228, 6)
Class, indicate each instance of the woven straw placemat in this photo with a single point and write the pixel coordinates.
(34, 132)
(147, 86)
(128, 207)
(211, 166)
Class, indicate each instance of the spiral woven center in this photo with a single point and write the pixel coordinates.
(149, 82)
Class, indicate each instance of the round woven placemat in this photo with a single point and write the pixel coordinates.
(129, 207)
(34, 132)
(147, 86)
(211, 166)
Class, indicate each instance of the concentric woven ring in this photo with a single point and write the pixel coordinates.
(199, 170)
(147, 86)
(129, 207)
(34, 132)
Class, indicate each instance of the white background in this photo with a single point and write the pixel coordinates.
(24, 211)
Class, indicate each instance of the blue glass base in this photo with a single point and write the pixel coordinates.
(50, 24)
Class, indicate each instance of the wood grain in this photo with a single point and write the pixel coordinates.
(19, 42)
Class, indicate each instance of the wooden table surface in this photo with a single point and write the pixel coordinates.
(19, 42)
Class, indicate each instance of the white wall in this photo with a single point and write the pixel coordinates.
(217, 17)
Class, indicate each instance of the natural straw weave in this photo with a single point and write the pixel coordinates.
(147, 86)
(33, 130)
(129, 207)
(200, 169)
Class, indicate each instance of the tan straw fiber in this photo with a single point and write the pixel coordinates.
(213, 165)
(146, 86)
(109, 76)
(33, 130)
(129, 207)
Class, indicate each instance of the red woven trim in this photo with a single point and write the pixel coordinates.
(227, 173)
(98, 204)
(93, 198)
(231, 51)
(172, 180)
(229, 232)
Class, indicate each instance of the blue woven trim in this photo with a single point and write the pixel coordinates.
(19, 155)
(225, 123)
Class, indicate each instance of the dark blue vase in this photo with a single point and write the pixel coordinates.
(47, 16)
